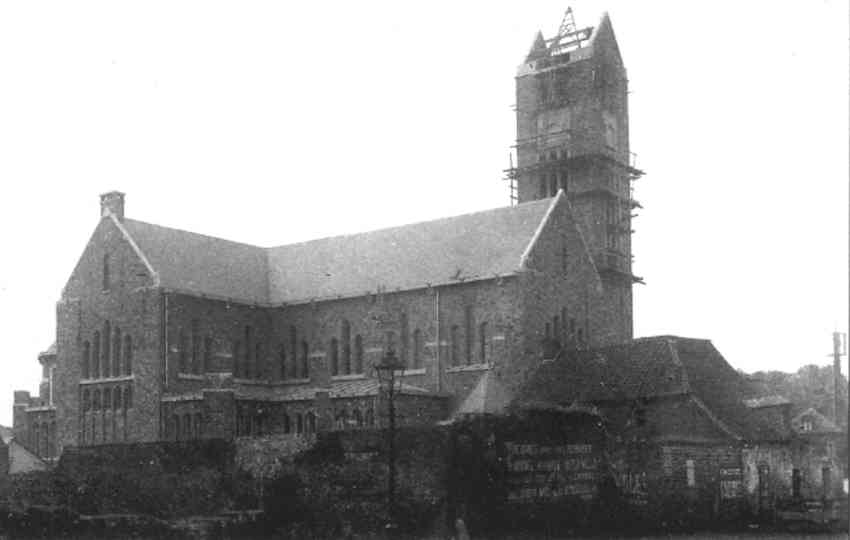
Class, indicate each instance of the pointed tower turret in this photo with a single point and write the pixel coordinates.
(538, 48)
(573, 134)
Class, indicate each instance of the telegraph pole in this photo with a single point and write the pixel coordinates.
(837, 353)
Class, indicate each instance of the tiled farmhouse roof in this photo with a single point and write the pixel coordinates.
(650, 368)
(818, 423)
(473, 246)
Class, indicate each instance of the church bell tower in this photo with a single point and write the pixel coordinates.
(573, 134)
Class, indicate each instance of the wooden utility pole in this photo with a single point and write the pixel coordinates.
(837, 353)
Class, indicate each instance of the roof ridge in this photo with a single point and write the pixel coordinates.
(217, 238)
(406, 225)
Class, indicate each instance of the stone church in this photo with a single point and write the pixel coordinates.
(165, 334)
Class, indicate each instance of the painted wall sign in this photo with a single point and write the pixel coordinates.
(731, 480)
(550, 472)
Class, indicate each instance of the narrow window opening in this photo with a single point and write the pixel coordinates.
(305, 360)
(334, 354)
(482, 343)
(105, 360)
(346, 347)
(455, 357)
(106, 281)
(358, 354)
(468, 326)
(417, 349)
(128, 355)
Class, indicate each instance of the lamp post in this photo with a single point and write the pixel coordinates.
(386, 371)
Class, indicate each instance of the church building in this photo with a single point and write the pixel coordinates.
(164, 334)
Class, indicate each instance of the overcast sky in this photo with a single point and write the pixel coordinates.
(267, 123)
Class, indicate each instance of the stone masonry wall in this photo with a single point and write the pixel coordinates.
(124, 301)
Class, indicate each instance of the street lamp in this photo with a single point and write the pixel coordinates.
(386, 371)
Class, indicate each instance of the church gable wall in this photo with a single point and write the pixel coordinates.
(560, 294)
(109, 292)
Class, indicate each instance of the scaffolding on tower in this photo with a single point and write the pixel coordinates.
(569, 36)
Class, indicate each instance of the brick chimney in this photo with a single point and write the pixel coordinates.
(114, 203)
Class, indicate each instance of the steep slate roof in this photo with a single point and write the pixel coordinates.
(471, 246)
(451, 250)
(646, 367)
(650, 368)
(199, 264)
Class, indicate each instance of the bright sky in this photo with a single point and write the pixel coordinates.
(268, 123)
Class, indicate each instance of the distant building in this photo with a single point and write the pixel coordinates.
(15, 457)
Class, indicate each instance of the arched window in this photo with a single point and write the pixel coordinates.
(128, 397)
(187, 426)
(183, 345)
(36, 432)
(482, 343)
(286, 426)
(564, 333)
(370, 417)
(467, 330)
(96, 400)
(299, 423)
(404, 339)
(416, 351)
(305, 360)
(282, 360)
(247, 372)
(311, 422)
(106, 357)
(544, 187)
(208, 351)
(333, 351)
(95, 355)
(128, 355)
(105, 274)
(116, 399)
(51, 438)
(116, 352)
(341, 419)
(358, 354)
(107, 398)
(293, 350)
(390, 341)
(357, 417)
(259, 361)
(199, 425)
(553, 184)
(454, 353)
(196, 347)
(236, 354)
(86, 401)
(45, 437)
(346, 347)
(85, 361)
